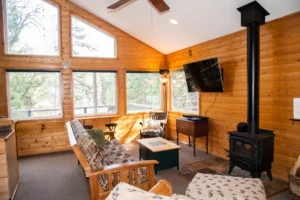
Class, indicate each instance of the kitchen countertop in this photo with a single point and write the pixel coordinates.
(6, 134)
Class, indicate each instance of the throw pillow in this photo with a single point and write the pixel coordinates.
(155, 125)
(98, 137)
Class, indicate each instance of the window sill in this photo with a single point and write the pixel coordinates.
(35, 56)
(84, 117)
(38, 119)
(142, 112)
(181, 112)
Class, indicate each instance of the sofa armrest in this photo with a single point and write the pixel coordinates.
(117, 167)
(163, 187)
(125, 172)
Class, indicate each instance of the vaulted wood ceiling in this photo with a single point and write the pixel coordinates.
(198, 20)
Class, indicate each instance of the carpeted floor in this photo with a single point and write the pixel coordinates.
(220, 166)
(58, 176)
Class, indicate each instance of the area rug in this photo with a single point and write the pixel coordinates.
(220, 166)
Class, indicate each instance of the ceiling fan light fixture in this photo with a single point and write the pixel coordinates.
(173, 21)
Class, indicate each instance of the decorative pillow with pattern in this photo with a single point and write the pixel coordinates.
(219, 187)
(155, 125)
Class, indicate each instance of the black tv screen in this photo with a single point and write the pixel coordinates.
(204, 76)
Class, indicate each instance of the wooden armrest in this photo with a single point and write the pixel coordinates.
(118, 167)
(162, 188)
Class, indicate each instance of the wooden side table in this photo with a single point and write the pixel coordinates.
(194, 129)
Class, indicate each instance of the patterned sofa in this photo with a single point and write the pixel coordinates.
(109, 165)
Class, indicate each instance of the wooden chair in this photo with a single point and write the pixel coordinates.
(156, 125)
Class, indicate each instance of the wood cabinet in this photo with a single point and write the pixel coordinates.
(194, 129)
(9, 172)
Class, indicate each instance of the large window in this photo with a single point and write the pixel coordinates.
(90, 41)
(95, 93)
(143, 91)
(34, 94)
(182, 100)
(31, 27)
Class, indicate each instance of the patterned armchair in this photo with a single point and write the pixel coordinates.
(156, 125)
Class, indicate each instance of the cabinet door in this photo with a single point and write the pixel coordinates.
(4, 191)
(3, 166)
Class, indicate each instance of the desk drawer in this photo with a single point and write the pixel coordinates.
(184, 127)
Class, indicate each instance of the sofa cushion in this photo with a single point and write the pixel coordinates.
(114, 153)
(77, 128)
(91, 152)
(219, 187)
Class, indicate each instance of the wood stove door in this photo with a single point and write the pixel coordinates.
(243, 148)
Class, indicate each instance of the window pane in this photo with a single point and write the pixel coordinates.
(143, 92)
(89, 41)
(84, 92)
(106, 92)
(35, 94)
(85, 85)
(32, 27)
(182, 100)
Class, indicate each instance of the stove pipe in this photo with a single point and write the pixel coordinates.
(252, 16)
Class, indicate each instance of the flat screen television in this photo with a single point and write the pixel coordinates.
(204, 76)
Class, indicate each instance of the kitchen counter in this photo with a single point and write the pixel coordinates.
(6, 134)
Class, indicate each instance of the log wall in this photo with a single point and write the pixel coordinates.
(43, 136)
(280, 83)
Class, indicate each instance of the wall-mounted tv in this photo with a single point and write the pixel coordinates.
(204, 76)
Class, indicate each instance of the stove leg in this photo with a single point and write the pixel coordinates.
(231, 168)
(269, 173)
(255, 174)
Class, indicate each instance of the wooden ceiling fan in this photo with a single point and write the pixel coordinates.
(160, 5)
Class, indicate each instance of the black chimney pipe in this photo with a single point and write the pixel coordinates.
(253, 15)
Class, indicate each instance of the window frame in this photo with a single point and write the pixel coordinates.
(5, 32)
(145, 111)
(95, 93)
(172, 101)
(35, 118)
(78, 17)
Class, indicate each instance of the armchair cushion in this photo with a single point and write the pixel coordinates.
(155, 125)
(219, 187)
(124, 191)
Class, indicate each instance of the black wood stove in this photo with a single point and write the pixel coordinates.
(252, 148)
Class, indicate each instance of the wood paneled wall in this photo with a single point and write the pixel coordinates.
(132, 54)
(280, 83)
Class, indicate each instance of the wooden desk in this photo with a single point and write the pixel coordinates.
(194, 129)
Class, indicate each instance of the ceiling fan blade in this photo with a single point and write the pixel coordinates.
(118, 4)
(160, 5)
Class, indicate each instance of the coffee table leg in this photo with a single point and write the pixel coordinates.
(189, 141)
(177, 138)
